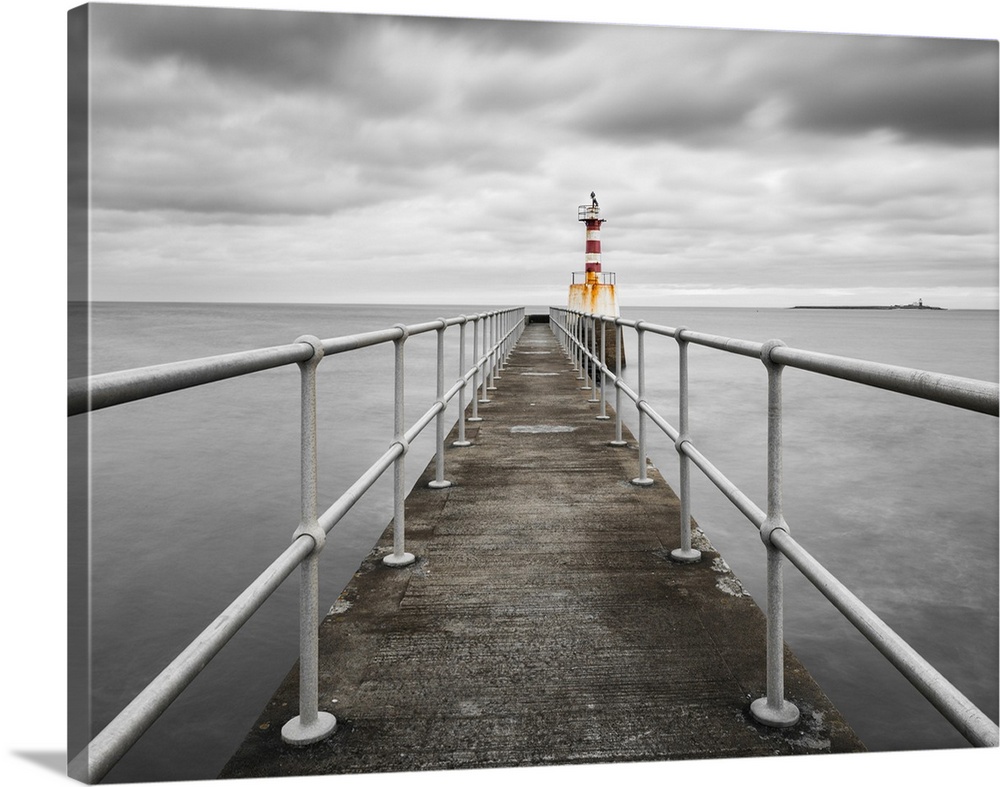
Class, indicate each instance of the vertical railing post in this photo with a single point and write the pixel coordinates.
(507, 325)
(603, 378)
(501, 342)
(461, 442)
(773, 710)
(643, 479)
(399, 556)
(578, 334)
(474, 418)
(485, 370)
(439, 481)
(584, 342)
(310, 725)
(594, 371)
(685, 554)
(618, 441)
(498, 348)
(493, 351)
(508, 333)
(509, 338)
(567, 319)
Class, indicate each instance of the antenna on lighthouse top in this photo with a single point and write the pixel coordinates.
(591, 212)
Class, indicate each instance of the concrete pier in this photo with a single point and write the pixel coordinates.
(543, 621)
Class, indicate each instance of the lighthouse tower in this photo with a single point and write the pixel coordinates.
(592, 291)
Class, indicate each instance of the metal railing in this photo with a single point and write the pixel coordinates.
(494, 335)
(603, 277)
(578, 334)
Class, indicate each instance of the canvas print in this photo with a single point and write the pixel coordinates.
(454, 394)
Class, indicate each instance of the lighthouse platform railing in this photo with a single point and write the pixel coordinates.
(583, 337)
(494, 335)
(603, 277)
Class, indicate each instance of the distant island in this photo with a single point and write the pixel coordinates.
(919, 304)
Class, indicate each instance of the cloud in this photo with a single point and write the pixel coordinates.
(930, 90)
(287, 51)
(718, 87)
(272, 142)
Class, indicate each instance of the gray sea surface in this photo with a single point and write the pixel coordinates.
(195, 492)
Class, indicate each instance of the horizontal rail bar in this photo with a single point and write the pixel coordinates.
(94, 762)
(724, 343)
(421, 423)
(339, 508)
(114, 388)
(341, 344)
(659, 420)
(964, 392)
(86, 394)
(977, 395)
(747, 507)
(97, 758)
(975, 725)
(133, 721)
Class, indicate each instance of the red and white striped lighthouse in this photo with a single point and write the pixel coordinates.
(595, 294)
(591, 214)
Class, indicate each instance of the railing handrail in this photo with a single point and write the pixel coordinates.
(964, 392)
(108, 389)
(976, 395)
(97, 758)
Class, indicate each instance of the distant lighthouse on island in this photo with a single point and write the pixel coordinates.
(592, 291)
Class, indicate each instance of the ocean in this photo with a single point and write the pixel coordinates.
(195, 492)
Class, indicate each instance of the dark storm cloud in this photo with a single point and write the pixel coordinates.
(647, 84)
(924, 89)
(265, 53)
(274, 47)
(499, 36)
(718, 88)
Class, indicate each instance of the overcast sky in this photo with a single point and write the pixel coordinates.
(248, 155)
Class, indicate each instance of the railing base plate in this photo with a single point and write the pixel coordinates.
(295, 733)
(785, 716)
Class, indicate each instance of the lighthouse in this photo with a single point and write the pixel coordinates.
(592, 291)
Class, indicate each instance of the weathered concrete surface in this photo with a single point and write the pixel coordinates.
(542, 622)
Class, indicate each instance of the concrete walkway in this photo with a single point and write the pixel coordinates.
(543, 622)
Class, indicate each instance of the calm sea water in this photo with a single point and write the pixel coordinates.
(195, 492)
